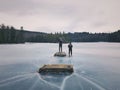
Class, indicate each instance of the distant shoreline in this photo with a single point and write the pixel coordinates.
(11, 35)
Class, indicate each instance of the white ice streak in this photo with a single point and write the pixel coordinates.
(64, 81)
(32, 87)
(18, 80)
(91, 82)
(13, 79)
(51, 84)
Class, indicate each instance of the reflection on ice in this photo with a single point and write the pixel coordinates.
(57, 81)
(47, 82)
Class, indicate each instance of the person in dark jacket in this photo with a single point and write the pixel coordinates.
(70, 49)
(60, 44)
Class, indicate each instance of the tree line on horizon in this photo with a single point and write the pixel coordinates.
(8, 34)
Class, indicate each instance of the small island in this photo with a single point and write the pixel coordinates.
(56, 69)
(60, 54)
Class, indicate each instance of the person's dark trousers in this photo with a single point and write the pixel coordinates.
(70, 52)
(60, 48)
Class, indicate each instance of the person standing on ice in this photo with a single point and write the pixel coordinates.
(60, 44)
(70, 49)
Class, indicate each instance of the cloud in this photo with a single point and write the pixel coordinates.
(61, 15)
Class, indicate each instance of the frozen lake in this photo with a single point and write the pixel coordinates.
(96, 66)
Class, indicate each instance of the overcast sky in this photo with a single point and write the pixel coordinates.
(62, 15)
